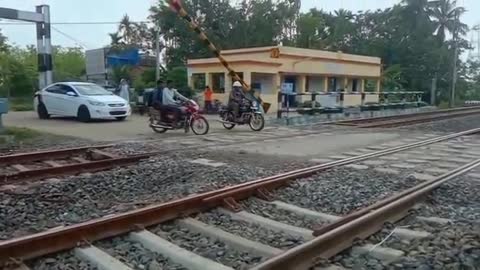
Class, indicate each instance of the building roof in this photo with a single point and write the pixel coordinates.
(247, 54)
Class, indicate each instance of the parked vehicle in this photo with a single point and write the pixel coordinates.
(249, 114)
(85, 101)
(191, 119)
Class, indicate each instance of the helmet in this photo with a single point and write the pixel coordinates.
(237, 84)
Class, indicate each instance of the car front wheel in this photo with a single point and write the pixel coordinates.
(83, 114)
(42, 111)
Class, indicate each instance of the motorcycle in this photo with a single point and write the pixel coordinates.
(249, 114)
(190, 119)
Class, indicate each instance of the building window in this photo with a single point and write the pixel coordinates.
(355, 85)
(332, 84)
(198, 81)
(218, 83)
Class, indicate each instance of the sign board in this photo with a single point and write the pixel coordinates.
(287, 88)
(3, 105)
(95, 62)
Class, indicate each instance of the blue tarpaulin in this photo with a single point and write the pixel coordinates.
(129, 57)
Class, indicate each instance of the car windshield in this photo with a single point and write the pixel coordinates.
(91, 90)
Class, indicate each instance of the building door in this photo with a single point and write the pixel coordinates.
(292, 80)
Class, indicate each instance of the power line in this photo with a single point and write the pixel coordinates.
(71, 23)
(78, 42)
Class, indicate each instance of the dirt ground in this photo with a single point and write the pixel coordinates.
(135, 127)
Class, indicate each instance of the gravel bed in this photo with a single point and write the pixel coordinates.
(63, 261)
(341, 190)
(449, 247)
(44, 142)
(250, 231)
(206, 247)
(270, 211)
(447, 126)
(456, 200)
(136, 256)
(162, 178)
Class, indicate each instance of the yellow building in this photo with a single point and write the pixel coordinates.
(306, 70)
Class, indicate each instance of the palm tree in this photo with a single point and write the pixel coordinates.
(115, 38)
(417, 10)
(127, 29)
(446, 16)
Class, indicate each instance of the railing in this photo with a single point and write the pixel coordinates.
(334, 102)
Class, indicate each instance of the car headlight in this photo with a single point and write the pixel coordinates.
(96, 103)
(254, 104)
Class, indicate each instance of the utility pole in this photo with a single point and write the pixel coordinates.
(157, 52)
(455, 56)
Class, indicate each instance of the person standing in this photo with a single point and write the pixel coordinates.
(124, 90)
(208, 95)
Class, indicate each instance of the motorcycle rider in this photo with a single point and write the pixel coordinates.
(170, 104)
(155, 99)
(236, 99)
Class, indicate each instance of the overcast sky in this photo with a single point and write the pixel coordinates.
(94, 36)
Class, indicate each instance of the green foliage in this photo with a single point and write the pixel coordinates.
(22, 134)
(20, 104)
(410, 37)
(121, 72)
(69, 64)
(178, 75)
(18, 69)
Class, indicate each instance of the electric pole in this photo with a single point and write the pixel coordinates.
(455, 56)
(157, 53)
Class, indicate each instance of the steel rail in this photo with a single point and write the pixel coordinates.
(47, 154)
(401, 116)
(341, 237)
(69, 169)
(51, 241)
(415, 120)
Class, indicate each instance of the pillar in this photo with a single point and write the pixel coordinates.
(377, 88)
(190, 81)
(345, 85)
(247, 78)
(228, 83)
(302, 83)
(325, 84)
(362, 85)
(208, 80)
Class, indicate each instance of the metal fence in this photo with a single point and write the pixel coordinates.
(334, 102)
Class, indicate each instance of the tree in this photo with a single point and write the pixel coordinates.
(445, 16)
(3, 42)
(69, 64)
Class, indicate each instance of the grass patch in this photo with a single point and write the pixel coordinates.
(22, 134)
(21, 104)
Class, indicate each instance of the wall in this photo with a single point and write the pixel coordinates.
(316, 84)
(266, 81)
(352, 100)
(372, 98)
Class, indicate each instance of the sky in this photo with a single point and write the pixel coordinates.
(96, 36)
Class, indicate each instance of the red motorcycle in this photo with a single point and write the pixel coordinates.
(190, 119)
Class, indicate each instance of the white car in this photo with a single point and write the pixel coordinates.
(85, 101)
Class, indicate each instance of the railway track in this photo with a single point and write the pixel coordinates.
(410, 119)
(24, 167)
(337, 234)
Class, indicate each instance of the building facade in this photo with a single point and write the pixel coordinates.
(269, 69)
